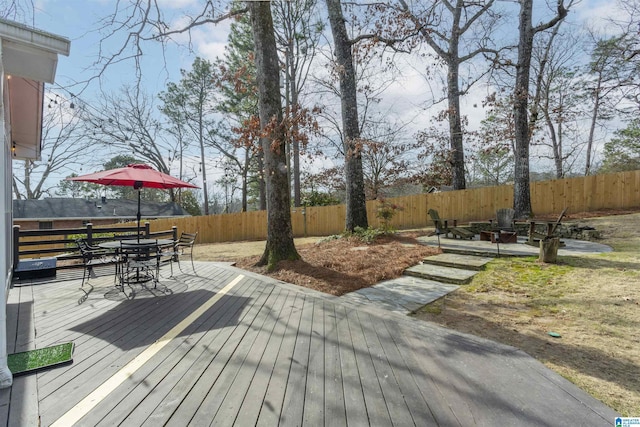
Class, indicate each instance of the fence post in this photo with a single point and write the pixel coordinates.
(90, 233)
(16, 246)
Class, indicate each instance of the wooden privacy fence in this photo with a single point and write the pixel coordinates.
(582, 194)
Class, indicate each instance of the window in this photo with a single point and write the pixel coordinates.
(45, 225)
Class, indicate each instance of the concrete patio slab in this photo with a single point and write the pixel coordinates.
(485, 248)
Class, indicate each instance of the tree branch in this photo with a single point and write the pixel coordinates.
(562, 13)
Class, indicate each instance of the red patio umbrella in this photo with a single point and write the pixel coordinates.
(137, 176)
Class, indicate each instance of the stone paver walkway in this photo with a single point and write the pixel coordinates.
(438, 275)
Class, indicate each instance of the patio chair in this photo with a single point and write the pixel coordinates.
(442, 227)
(141, 263)
(505, 220)
(182, 247)
(93, 256)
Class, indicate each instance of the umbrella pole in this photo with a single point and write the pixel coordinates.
(138, 185)
(138, 216)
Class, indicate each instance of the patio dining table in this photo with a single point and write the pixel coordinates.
(138, 258)
(142, 243)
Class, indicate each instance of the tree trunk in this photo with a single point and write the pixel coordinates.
(521, 187)
(356, 207)
(203, 163)
(280, 245)
(245, 178)
(453, 95)
(455, 128)
(295, 147)
(262, 185)
(556, 142)
(592, 126)
(549, 250)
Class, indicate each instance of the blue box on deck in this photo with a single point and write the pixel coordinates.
(35, 268)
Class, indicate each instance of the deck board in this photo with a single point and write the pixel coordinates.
(231, 372)
(377, 411)
(210, 373)
(166, 369)
(314, 392)
(334, 391)
(271, 406)
(23, 396)
(418, 407)
(247, 374)
(355, 407)
(267, 354)
(399, 412)
(183, 377)
(295, 392)
(249, 411)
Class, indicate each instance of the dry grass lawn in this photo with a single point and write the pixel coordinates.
(592, 301)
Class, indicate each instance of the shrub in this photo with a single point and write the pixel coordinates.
(385, 213)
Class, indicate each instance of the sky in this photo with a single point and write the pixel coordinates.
(77, 20)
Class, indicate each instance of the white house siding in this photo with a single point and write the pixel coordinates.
(6, 254)
(30, 54)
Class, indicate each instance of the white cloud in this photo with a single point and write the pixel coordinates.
(210, 41)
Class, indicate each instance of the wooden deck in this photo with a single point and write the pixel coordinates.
(264, 353)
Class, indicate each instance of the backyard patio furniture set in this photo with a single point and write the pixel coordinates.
(502, 229)
(136, 261)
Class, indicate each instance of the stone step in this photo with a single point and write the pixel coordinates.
(468, 262)
(456, 276)
(404, 294)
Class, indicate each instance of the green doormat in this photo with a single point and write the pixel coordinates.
(33, 360)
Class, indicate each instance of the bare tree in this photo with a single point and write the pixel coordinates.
(63, 146)
(556, 98)
(356, 208)
(521, 187)
(125, 123)
(17, 10)
(611, 86)
(297, 36)
(385, 160)
(457, 31)
(192, 102)
(133, 25)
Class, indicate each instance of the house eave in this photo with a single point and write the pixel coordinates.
(29, 60)
(31, 53)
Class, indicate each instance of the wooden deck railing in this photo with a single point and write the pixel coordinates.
(61, 242)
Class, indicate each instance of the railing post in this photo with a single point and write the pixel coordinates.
(90, 233)
(16, 246)
(147, 230)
